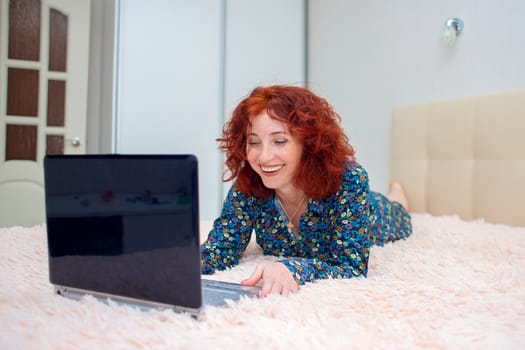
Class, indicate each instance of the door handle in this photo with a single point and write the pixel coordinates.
(74, 141)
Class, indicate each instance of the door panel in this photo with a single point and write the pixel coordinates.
(44, 52)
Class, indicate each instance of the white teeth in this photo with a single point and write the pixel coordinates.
(271, 169)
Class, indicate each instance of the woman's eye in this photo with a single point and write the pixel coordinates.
(281, 142)
(253, 143)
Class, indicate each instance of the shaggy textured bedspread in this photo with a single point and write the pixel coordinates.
(452, 285)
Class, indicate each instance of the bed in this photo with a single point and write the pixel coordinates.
(458, 282)
(463, 157)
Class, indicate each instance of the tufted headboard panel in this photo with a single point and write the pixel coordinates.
(463, 156)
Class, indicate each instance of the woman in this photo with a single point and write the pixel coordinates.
(298, 187)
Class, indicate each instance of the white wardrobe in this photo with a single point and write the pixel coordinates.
(182, 66)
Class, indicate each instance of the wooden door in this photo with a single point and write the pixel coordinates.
(44, 52)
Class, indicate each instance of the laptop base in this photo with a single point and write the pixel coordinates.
(214, 293)
(143, 305)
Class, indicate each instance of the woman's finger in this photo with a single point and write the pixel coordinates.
(255, 277)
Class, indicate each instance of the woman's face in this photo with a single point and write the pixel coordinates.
(272, 152)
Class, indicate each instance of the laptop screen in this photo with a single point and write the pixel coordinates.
(125, 225)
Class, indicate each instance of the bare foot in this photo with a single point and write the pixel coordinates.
(397, 193)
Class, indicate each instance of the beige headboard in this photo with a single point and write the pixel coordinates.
(464, 157)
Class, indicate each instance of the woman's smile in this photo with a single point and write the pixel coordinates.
(272, 170)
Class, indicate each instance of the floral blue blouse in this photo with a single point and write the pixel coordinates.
(335, 233)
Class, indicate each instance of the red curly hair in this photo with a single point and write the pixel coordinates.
(310, 119)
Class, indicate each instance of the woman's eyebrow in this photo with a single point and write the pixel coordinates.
(272, 133)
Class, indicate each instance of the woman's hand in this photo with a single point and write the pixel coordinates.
(276, 279)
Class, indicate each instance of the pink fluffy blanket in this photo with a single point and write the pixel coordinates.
(453, 284)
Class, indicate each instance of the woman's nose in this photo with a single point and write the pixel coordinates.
(266, 154)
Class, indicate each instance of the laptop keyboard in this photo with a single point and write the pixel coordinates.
(215, 292)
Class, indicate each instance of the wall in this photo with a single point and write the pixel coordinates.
(101, 94)
(366, 57)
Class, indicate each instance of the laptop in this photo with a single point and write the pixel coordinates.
(126, 228)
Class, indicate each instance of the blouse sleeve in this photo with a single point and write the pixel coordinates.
(346, 249)
(229, 236)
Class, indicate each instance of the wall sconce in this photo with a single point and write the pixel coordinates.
(453, 28)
